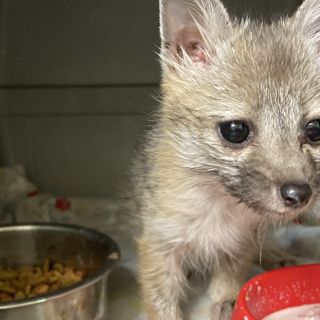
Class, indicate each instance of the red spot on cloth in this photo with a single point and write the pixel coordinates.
(32, 193)
(62, 204)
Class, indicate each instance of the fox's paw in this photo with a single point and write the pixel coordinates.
(222, 311)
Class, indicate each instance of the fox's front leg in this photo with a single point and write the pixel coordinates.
(225, 284)
(162, 281)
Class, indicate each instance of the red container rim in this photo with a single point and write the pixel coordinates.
(243, 312)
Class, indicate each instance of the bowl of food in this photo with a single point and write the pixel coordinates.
(289, 293)
(53, 271)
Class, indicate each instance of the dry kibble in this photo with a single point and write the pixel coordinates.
(80, 274)
(58, 267)
(46, 265)
(54, 287)
(37, 280)
(8, 274)
(5, 297)
(38, 270)
(55, 273)
(19, 295)
(18, 284)
(52, 279)
(27, 289)
(68, 279)
(68, 270)
(26, 275)
(30, 281)
(8, 289)
(41, 289)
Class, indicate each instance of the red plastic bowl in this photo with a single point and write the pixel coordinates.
(276, 290)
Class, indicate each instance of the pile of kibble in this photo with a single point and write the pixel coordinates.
(25, 282)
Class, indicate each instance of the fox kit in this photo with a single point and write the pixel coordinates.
(236, 146)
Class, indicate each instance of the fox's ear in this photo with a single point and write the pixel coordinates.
(308, 19)
(191, 28)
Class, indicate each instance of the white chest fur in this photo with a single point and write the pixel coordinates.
(202, 224)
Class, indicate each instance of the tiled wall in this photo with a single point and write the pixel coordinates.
(76, 84)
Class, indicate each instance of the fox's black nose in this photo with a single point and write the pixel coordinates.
(295, 195)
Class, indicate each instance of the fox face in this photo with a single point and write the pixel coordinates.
(241, 103)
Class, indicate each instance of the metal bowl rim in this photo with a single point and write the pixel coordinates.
(92, 279)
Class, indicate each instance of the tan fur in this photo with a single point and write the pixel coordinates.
(204, 202)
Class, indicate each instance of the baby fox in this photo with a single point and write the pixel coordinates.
(236, 146)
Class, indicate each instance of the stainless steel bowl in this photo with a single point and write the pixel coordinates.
(24, 245)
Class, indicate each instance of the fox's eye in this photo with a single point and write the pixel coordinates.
(234, 131)
(312, 130)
